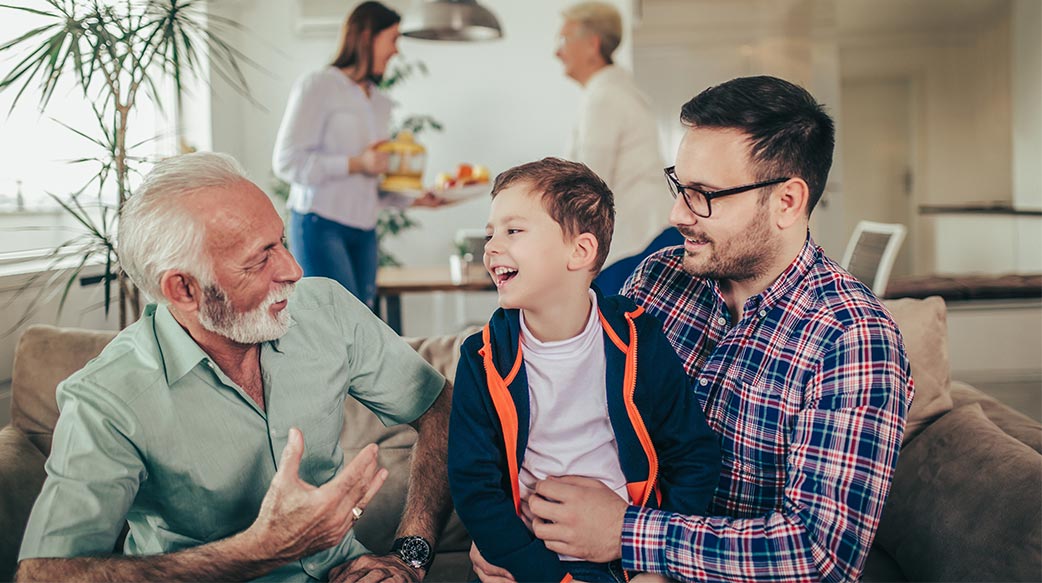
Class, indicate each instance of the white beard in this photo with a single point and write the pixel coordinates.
(218, 316)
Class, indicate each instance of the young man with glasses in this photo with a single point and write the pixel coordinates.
(801, 371)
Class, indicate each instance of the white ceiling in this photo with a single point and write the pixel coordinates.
(846, 17)
(871, 16)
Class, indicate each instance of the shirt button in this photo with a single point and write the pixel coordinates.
(703, 382)
(763, 313)
(721, 320)
(274, 433)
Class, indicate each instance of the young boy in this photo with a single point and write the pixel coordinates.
(563, 381)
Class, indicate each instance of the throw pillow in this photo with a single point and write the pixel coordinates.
(442, 352)
(965, 504)
(925, 331)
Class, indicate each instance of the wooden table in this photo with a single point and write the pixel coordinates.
(392, 282)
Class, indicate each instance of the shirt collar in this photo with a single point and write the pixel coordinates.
(179, 352)
(788, 280)
(604, 75)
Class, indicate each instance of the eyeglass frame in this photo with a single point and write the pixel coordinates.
(677, 188)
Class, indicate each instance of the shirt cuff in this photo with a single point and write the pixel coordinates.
(644, 539)
(389, 199)
(334, 165)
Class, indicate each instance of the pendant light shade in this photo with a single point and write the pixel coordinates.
(459, 20)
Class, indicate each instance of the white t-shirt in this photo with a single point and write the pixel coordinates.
(569, 433)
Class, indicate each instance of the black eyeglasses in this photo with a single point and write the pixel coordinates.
(698, 200)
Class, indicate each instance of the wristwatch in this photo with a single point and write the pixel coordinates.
(414, 551)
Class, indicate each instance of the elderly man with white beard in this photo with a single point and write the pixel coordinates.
(211, 425)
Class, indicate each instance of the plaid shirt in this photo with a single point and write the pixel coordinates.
(808, 393)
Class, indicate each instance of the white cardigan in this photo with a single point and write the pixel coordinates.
(617, 137)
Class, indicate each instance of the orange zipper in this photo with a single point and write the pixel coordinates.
(504, 405)
(631, 406)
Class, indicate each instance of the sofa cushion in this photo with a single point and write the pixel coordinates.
(46, 356)
(21, 477)
(1018, 425)
(924, 327)
(965, 504)
(376, 528)
(442, 352)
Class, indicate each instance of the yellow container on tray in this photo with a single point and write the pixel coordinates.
(405, 163)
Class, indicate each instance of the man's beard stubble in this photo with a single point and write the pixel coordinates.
(746, 256)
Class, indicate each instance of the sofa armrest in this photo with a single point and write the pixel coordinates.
(1023, 428)
(21, 478)
(965, 504)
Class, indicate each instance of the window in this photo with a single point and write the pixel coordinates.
(36, 148)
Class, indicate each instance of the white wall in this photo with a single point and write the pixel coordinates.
(501, 102)
(1004, 150)
(1013, 333)
(977, 126)
(684, 47)
(1027, 129)
(1027, 104)
(960, 81)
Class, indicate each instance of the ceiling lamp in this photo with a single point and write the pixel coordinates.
(461, 20)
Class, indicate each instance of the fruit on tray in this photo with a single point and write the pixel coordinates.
(466, 174)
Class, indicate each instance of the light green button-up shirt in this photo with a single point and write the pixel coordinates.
(153, 431)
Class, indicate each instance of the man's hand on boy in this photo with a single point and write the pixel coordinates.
(580, 517)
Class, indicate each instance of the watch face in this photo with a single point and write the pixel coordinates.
(415, 551)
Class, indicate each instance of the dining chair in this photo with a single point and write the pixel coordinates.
(871, 253)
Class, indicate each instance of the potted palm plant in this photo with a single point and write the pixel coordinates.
(116, 51)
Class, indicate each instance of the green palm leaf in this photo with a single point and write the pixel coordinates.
(112, 50)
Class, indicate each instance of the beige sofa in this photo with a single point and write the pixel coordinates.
(45, 355)
(966, 503)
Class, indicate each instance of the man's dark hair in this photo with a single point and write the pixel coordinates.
(572, 194)
(789, 132)
(366, 21)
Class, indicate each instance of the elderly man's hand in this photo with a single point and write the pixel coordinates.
(297, 519)
(580, 517)
(375, 568)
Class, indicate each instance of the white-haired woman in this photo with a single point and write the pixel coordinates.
(617, 137)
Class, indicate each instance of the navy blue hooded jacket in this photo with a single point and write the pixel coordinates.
(669, 456)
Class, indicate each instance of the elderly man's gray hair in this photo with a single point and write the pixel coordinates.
(600, 19)
(157, 233)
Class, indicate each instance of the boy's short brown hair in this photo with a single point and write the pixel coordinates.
(572, 194)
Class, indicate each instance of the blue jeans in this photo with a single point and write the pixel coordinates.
(345, 254)
(612, 277)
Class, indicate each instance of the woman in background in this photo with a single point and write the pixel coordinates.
(325, 149)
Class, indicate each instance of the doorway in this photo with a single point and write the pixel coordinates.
(878, 158)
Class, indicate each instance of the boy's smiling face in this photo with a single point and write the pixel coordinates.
(526, 251)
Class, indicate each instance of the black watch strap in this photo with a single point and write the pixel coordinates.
(414, 551)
